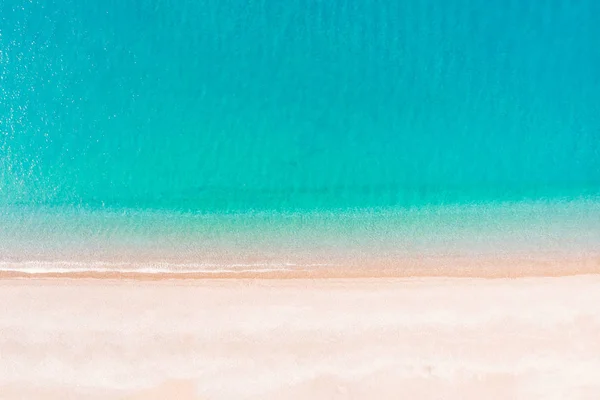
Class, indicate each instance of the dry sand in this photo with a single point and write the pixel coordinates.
(362, 338)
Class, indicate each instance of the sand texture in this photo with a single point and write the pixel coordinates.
(425, 338)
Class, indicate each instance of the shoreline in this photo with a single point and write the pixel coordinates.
(451, 267)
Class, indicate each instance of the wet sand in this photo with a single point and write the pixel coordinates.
(360, 338)
(449, 266)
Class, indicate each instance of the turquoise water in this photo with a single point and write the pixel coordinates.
(236, 107)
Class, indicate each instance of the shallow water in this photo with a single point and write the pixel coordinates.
(290, 127)
(79, 240)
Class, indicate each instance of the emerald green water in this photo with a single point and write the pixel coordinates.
(188, 108)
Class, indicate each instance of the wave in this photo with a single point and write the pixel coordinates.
(70, 267)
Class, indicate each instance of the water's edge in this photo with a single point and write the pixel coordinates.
(77, 241)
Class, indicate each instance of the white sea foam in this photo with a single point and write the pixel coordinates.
(69, 267)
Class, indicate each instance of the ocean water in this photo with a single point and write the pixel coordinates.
(258, 131)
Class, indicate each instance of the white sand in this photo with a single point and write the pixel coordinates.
(411, 338)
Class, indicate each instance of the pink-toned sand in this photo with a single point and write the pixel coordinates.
(362, 338)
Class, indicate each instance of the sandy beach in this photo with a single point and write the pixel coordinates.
(385, 338)
(299, 200)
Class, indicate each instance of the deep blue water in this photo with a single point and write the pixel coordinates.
(303, 104)
(180, 130)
